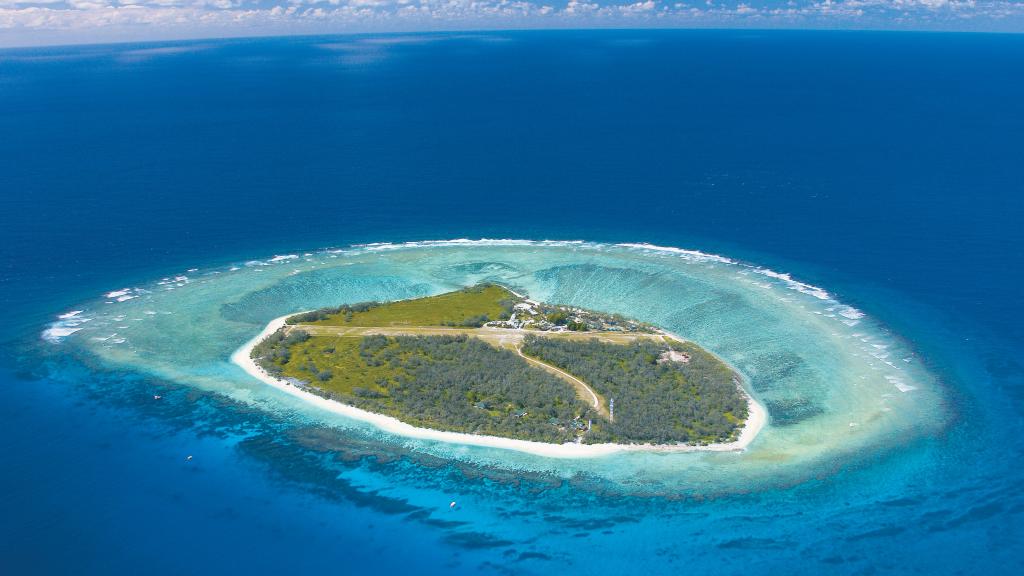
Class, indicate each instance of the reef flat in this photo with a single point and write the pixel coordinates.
(835, 385)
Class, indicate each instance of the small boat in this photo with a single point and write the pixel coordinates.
(452, 505)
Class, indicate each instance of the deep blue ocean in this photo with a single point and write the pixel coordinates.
(887, 167)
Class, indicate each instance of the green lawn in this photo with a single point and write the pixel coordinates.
(340, 357)
(463, 307)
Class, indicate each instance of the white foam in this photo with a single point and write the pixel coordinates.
(71, 314)
(694, 255)
(380, 246)
(118, 293)
(687, 254)
(850, 312)
(284, 258)
(900, 384)
(55, 333)
(810, 289)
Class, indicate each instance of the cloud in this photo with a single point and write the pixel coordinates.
(31, 21)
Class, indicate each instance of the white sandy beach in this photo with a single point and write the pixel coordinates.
(757, 416)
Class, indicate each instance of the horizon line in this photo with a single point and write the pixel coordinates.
(185, 39)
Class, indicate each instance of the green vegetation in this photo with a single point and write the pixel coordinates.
(405, 360)
(657, 400)
(453, 383)
(470, 307)
(558, 318)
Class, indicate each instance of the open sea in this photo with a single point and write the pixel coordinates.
(856, 198)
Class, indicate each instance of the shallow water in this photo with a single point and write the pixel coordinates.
(918, 259)
(835, 384)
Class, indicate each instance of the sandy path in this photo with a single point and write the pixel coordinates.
(582, 389)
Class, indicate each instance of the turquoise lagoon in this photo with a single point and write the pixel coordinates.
(838, 386)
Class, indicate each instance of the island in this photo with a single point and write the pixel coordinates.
(491, 366)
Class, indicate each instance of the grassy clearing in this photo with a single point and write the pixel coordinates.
(467, 307)
(338, 359)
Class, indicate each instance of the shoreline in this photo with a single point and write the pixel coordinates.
(756, 419)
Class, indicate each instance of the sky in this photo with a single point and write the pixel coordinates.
(42, 22)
